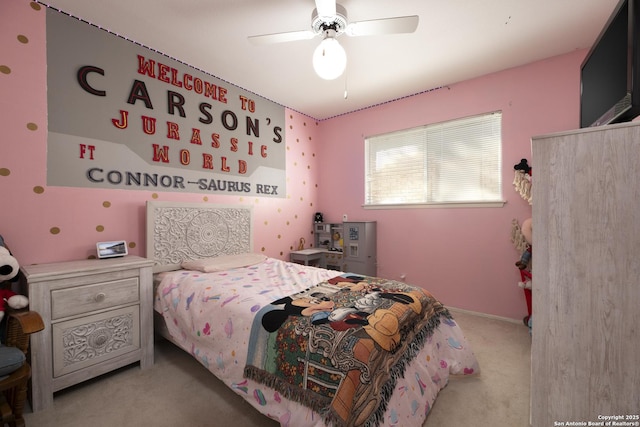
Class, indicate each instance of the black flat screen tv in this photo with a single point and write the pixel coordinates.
(610, 73)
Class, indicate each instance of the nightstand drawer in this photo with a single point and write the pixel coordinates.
(83, 299)
(87, 341)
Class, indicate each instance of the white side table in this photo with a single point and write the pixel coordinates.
(313, 257)
(98, 316)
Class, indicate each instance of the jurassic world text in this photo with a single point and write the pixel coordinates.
(219, 135)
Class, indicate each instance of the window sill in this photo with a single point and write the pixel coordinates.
(447, 205)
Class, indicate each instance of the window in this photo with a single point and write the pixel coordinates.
(458, 161)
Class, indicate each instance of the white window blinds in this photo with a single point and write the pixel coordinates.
(458, 161)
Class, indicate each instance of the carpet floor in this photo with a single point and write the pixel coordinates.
(177, 390)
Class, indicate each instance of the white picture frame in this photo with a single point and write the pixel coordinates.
(111, 249)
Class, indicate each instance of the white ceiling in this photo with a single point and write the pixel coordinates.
(455, 40)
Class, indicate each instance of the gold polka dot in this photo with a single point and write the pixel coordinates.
(279, 236)
(23, 39)
(132, 245)
(205, 199)
(106, 204)
(32, 126)
(290, 127)
(154, 196)
(100, 228)
(4, 69)
(288, 223)
(266, 223)
(54, 230)
(38, 189)
(263, 249)
(35, 6)
(281, 253)
(279, 210)
(5, 172)
(309, 138)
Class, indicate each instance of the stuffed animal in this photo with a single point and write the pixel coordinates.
(11, 299)
(523, 166)
(8, 265)
(524, 264)
(8, 270)
(527, 233)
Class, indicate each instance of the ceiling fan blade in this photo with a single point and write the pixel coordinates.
(397, 25)
(281, 37)
(326, 9)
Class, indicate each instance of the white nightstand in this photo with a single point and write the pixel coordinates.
(98, 316)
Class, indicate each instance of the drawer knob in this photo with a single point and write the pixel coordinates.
(100, 297)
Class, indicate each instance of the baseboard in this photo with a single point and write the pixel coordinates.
(490, 316)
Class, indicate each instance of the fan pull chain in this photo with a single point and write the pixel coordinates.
(346, 94)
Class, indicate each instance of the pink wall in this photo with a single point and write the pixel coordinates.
(464, 256)
(44, 224)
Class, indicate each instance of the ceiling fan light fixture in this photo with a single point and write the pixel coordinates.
(329, 59)
(326, 9)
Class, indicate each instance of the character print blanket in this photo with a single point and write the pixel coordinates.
(340, 346)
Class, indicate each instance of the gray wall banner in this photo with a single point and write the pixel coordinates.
(124, 116)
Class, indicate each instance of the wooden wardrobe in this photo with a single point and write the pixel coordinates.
(586, 289)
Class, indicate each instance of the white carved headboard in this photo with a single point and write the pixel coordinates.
(179, 231)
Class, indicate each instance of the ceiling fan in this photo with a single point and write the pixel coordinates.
(329, 20)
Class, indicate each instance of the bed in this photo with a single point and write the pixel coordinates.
(303, 345)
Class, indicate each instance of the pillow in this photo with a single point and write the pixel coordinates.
(224, 262)
(11, 358)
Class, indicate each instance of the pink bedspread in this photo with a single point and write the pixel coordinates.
(210, 315)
